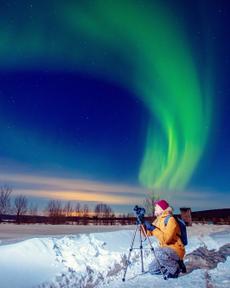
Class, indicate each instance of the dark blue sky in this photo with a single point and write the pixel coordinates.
(60, 121)
(102, 123)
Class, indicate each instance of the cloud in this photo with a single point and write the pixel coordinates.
(68, 189)
(73, 189)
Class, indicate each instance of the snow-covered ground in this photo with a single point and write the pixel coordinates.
(97, 260)
(11, 233)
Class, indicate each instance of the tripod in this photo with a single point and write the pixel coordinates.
(141, 229)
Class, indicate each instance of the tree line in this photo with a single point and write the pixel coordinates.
(21, 210)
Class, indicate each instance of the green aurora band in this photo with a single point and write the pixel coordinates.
(144, 49)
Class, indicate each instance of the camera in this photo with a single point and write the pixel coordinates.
(140, 213)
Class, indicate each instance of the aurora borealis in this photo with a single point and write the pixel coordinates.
(123, 92)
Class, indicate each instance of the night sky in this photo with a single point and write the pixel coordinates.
(106, 101)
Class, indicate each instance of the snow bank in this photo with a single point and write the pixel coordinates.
(97, 260)
(27, 263)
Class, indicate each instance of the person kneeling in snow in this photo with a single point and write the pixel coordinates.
(171, 252)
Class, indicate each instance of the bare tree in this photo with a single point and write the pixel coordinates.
(108, 211)
(55, 211)
(85, 211)
(5, 192)
(68, 209)
(54, 208)
(149, 202)
(85, 214)
(102, 210)
(98, 209)
(21, 205)
(78, 210)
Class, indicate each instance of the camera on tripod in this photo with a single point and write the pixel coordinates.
(140, 214)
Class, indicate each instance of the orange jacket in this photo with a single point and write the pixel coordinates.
(168, 235)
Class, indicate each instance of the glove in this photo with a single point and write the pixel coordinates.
(149, 226)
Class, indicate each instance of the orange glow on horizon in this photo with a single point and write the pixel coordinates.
(74, 189)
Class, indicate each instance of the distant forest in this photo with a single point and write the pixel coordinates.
(20, 210)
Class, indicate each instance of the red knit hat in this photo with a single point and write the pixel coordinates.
(162, 203)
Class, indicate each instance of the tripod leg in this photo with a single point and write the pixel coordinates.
(152, 249)
(130, 250)
(141, 248)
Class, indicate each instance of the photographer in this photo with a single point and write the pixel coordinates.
(171, 252)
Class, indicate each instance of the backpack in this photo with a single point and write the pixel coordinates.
(182, 225)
